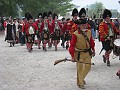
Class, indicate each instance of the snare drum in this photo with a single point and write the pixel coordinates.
(116, 49)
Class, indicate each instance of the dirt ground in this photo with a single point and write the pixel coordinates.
(21, 70)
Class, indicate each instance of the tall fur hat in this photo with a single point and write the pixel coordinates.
(63, 19)
(44, 15)
(40, 15)
(54, 15)
(74, 12)
(26, 14)
(82, 12)
(29, 16)
(107, 13)
(49, 13)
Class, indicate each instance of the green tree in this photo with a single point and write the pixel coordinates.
(12, 7)
(57, 6)
(95, 9)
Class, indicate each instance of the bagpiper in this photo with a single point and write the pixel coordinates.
(51, 28)
(39, 23)
(57, 31)
(44, 30)
(30, 30)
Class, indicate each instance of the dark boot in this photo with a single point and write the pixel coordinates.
(67, 46)
(108, 63)
(43, 47)
(104, 59)
(13, 44)
(10, 44)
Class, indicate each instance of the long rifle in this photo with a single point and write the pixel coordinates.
(64, 60)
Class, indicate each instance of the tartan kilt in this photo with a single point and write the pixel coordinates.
(67, 36)
(45, 35)
(56, 35)
(30, 38)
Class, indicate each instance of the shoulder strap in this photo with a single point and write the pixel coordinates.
(85, 36)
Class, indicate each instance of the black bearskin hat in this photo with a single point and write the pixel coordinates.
(80, 21)
(63, 19)
(74, 12)
(44, 15)
(82, 12)
(29, 17)
(107, 13)
(49, 13)
(40, 15)
(26, 14)
(54, 15)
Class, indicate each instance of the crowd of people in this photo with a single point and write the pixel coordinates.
(78, 36)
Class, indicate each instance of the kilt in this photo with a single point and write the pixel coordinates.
(106, 45)
(56, 35)
(30, 38)
(45, 35)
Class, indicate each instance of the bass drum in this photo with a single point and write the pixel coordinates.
(116, 49)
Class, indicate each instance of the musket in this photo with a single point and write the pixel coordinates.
(64, 60)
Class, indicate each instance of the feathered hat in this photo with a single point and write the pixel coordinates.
(49, 13)
(55, 15)
(74, 12)
(44, 15)
(82, 12)
(107, 13)
(40, 15)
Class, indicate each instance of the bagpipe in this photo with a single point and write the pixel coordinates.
(30, 37)
(57, 31)
(45, 32)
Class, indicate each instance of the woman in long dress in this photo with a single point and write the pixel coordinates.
(11, 33)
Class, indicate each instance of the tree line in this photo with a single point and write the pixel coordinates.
(16, 7)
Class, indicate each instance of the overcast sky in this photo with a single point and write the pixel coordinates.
(109, 4)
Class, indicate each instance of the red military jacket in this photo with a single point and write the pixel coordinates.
(26, 26)
(59, 24)
(104, 30)
(64, 28)
(38, 23)
(72, 27)
(74, 41)
(48, 26)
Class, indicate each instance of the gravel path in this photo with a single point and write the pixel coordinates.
(21, 70)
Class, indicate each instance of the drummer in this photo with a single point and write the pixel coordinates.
(107, 31)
